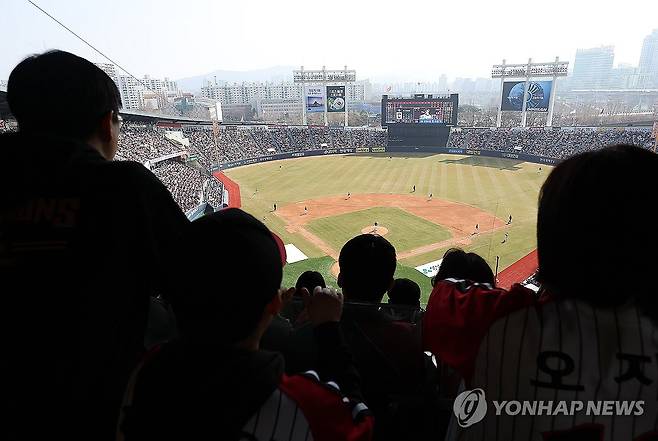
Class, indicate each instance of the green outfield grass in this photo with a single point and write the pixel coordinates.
(405, 231)
(498, 186)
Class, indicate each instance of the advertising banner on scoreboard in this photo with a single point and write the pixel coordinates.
(314, 99)
(335, 98)
(539, 95)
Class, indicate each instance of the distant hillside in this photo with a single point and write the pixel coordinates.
(277, 73)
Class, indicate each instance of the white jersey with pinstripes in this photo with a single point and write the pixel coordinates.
(279, 418)
(568, 351)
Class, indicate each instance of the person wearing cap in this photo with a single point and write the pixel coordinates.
(215, 382)
(82, 245)
(387, 353)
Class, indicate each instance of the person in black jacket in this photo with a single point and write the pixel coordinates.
(82, 240)
(215, 382)
(387, 352)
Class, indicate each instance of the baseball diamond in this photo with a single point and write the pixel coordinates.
(315, 214)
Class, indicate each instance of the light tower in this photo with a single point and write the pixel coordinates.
(526, 73)
(326, 78)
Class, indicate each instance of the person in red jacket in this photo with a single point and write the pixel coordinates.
(463, 305)
(583, 365)
(215, 382)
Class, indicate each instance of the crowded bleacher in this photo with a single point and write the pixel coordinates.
(141, 142)
(146, 143)
(124, 320)
(241, 142)
(190, 184)
(5, 127)
(559, 143)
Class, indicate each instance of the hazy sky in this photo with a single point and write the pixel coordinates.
(398, 40)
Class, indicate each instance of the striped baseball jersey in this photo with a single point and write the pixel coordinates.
(459, 314)
(188, 390)
(303, 406)
(565, 371)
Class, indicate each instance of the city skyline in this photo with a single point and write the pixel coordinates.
(155, 38)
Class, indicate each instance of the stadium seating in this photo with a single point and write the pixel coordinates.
(190, 183)
(559, 143)
(191, 186)
(84, 249)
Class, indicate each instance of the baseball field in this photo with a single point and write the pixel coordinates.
(321, 202)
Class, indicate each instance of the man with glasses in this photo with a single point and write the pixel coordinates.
(82, 240)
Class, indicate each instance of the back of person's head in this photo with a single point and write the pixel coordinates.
(595, 237)
(458, 264)
(230, 271)
(404, 292)
(61, 94)
(367, 264)
(309, 280)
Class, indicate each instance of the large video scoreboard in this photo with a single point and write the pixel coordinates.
(420, 109)
(420, 120)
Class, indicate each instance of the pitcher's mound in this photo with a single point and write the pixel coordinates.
(378, 230)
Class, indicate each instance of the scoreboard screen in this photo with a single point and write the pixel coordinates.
(417, 110)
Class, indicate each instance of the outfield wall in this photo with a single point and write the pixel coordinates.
(342, 151)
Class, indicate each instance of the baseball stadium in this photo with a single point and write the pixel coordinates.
(175, 272)
(471, 203)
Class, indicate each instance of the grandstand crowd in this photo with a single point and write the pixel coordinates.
(241, 142)
(124, 320)
(558, 143)
(146, 143)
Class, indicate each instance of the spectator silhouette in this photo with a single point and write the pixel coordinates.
(181, 390)
(387, 352)
(404, 292)
(82, 241)
(309, 280)
(458, 264)
(404, 301)
(462, 306)
(293, 310)
(596, 326)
